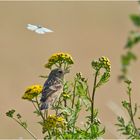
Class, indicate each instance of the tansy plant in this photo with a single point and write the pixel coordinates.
(129, 128)
(75, 97)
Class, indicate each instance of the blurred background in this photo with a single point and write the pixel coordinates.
(86, 30)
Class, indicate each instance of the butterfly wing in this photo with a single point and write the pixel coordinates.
(46, 30)
(40, 31)
(43, 30)
(32, 27)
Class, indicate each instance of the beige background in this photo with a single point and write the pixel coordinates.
(86, 30)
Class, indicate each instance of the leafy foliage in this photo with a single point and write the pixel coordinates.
(133, 39)
(74, 98)
(136, 19)
(129, 128)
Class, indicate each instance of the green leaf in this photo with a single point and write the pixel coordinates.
(104, 79)
(67, 111)
(126, 105)
(19, 116)
(10, 113)
(136, 19)
(127, 58)
(102, 132)
(74, 116)
(37, 112)
(121, 120)
(135, 109)
(133, 39)
(128, 82)
(41, 123)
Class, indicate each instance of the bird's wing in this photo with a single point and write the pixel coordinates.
(46, 93)
(48, 90)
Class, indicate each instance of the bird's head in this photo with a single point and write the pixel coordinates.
(58, 72)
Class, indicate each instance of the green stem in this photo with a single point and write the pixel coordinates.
(38, 109)
(73, 99)
(25, 129)
(65, 103)
(93, 96)
(43, 117)
(131, 113)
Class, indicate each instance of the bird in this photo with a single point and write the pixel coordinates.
(38, 29)
(52, 88)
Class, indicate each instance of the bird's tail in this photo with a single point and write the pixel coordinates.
(43, 106)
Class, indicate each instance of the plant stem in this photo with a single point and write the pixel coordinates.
(131, 113)
(73, 99)
(65, 103)
(26, 129)
(38, 109)
(43, 117)
(93, 96)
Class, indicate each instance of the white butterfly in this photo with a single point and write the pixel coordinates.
(38, 29)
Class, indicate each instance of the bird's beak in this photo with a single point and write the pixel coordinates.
(66, 71)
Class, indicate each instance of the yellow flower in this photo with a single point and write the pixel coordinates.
(105, 63)
(54, 121)
(59, 59)
(32, 91)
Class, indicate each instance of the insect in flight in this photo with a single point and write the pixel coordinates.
(38, 29)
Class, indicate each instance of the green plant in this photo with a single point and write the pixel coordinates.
(74, 98)
(129, 128)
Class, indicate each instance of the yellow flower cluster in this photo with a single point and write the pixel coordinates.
(105, 63)
(53, 122)
(59, 58)
(32, 91)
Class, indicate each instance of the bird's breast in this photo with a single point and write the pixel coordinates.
(57, 93)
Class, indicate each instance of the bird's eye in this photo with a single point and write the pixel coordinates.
(60, 71)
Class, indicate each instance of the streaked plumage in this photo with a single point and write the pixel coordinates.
(52, 88)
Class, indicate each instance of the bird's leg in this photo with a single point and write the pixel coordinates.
(45, 113)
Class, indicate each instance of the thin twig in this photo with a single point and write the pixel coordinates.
(26, 129)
